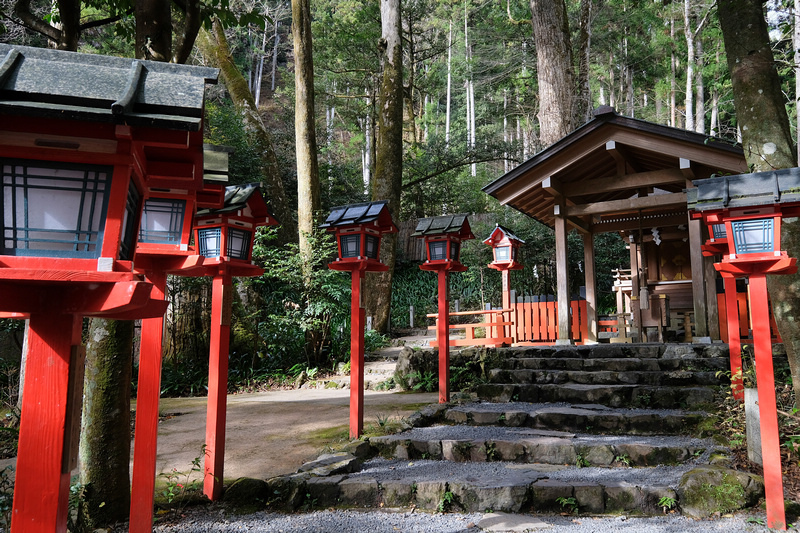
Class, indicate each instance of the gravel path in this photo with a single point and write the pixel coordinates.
(204, 520)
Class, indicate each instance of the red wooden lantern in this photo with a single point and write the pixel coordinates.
(224, 234)
(358, 229)
(443, 236)
(751, 206)
(505, 247)
(83, 139)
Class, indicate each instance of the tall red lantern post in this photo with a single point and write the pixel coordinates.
(443, 236)
(717, 246)
(163, 248)
(224, 235)
(358, 229)
(83, 138)
(505, 250)
(751, 207)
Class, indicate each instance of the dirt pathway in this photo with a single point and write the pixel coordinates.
(272, 433)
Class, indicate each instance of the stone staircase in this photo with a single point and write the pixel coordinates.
(620, 429)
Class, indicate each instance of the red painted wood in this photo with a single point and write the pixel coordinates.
(443, 334)
(583, 323)
(744, 314)
(358, 319)
(731, 322)
(42, 489)
(146, 429)
(552, 321)
(767, 407)
(217, 387)
(723, 321)
(115, 214)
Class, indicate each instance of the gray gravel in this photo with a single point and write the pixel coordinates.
(205, 520)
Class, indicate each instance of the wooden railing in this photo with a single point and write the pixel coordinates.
(493, 322)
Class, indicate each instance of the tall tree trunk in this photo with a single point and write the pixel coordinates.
(304, 129)
(214, 46)
(796, 46)
(388, 179)
(767, 142)
(105, 429)
(555, 70)
(153, 30)
(449, 83)
(584, 103)
(699, 86)
(690, 42)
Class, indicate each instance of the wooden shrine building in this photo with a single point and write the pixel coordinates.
(619, 174)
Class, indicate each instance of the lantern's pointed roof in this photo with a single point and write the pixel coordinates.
(744, 190)
(444, 225)
(499, 232)
(68, 85)
(361, 213)
(240, 197)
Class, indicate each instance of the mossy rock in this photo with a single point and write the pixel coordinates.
(247, 493)
(707, 490)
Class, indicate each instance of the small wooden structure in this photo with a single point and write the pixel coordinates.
(443, 236)
(224, 234)
(619, 174)
(85, 141)
(358, 229)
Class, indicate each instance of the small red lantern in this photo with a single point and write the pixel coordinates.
(226, 233)
(443, 236)
(505, 248)
(358, 229)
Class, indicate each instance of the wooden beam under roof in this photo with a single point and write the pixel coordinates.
(628, 205)
(621, 156)
(630, 223)
(625, 182)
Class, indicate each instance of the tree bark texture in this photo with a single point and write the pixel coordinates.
(388, 179)
(557, 106)
(308, 188)
(214, 46)
(583, 109)
(760, 108)
(105, 446)
(767, 142)
(153, 30)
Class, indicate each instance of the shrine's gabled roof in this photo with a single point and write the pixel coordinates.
(57, 84)
(615, 171)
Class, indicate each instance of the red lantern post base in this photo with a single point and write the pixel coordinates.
(216, 415)
(767, 406)
(44, 460)
(357, 322)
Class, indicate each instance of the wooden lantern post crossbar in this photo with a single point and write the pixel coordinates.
(358, 229)
(84, 141)
(751, 207)
(443, 236)
(505, 249)
(224, 236)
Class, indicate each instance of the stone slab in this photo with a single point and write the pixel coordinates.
(511, 522)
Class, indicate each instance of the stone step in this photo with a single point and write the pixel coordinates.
(587, 418)
(638, 396)
(608, 377)
(499, 486)
(618, 351)
(619, 364)
(525, 445)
